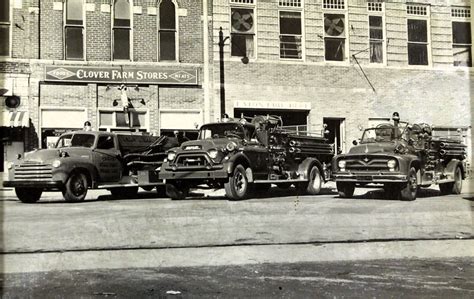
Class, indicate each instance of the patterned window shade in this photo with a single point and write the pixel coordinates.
(417, 10)
(290, 3)
(242, 1)
(334, 4)
(461, 12)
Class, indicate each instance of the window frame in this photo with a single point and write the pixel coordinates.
(375, 13)
(252, 6)
(130, 28)
(346, 35)
(299, 10)
(10, 29)
(114, 128)
(83, 27)
(461, 19)
(425, 18)
(176, 31)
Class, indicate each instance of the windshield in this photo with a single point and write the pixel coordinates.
(222, 130)
(383, 134)
(80, 140)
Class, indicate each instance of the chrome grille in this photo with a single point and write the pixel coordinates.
(192, 160)
(367, 164)
(31, 171)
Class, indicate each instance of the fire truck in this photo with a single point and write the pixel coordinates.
(247, 156)
(403, 157)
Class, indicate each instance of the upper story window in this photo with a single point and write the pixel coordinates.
(74, 30)
(242, 30)
(462, 42)
(418, 33)
(334, 37)
(376, 32)
(167, 31)
(5, 24)
(291, 35)
(334, 4)
(122, 29)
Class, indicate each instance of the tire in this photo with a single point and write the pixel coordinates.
(28, 195)
(76, 187)
(345, 190)
(410, 188)
(177, 191)
(453, 187)
(124, 192)
(313, 185)
(238, 187)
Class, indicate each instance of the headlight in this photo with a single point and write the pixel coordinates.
(56, 163)
(341, 164)
(213, 153)
(171, 156)
(392, 164)
(230, 146)
(10, 165)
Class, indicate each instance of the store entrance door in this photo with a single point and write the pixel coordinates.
(335, 133)
(289, 117)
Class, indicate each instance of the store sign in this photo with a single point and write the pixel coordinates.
(127, 75)
(273, 105)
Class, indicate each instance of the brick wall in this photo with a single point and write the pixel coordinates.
(51, 26)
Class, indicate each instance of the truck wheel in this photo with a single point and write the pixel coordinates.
(408, 191)
(28, 195)
(453, 187)
(76, 187)
(313, 185)
(177, 191)
(238, 186)
(124, 192)
(345, 190)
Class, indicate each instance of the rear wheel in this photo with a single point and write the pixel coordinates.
(177, 190)
(313, 185)
(76, 187)
(409, 190)
(28, 195)
(237, 188)
(345, 190)
(453, 187)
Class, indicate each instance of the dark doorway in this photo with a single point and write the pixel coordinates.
(334, 132)
(289, 117)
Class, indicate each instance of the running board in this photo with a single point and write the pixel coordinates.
(278, 181)
(129, 185)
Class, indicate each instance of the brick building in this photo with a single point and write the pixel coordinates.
(346, 64)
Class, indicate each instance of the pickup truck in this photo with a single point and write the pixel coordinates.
(83, 160)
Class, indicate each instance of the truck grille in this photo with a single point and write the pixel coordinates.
(30, 171)
(192, 160)
(367, 164)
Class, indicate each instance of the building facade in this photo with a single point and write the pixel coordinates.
(330, 66)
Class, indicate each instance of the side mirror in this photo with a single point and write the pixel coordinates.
(354, 142)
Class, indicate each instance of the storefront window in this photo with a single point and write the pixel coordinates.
(120, 121)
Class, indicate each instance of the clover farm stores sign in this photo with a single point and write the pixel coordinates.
(181, 76)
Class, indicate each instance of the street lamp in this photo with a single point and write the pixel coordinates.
(244, 60)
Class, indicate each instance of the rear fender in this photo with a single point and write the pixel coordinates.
(306, 165)
(451, 167)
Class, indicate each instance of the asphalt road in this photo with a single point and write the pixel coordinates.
(278, 245)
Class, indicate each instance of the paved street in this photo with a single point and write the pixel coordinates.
(208, 246)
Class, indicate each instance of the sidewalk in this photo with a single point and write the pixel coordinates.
(236, 255)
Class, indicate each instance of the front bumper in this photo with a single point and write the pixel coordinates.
(34, 184)
(193, 174)
(367, 177)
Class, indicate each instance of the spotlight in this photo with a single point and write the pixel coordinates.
(115, 103)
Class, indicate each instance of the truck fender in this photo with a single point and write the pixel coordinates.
(451, 167)
(305, 166)
(236, 159)
(91, 172)
(416, 163)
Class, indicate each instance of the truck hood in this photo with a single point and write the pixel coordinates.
(208, 144)
(49, 155)
(372, 148)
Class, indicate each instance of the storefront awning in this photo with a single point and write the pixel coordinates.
(15, 119)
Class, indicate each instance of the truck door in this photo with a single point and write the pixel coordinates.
(257, 152)
(107, 158)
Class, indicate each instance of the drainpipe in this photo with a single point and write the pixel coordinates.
(205, 81)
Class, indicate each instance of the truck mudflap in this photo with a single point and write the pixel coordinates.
(34, 184)
(370, 178)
